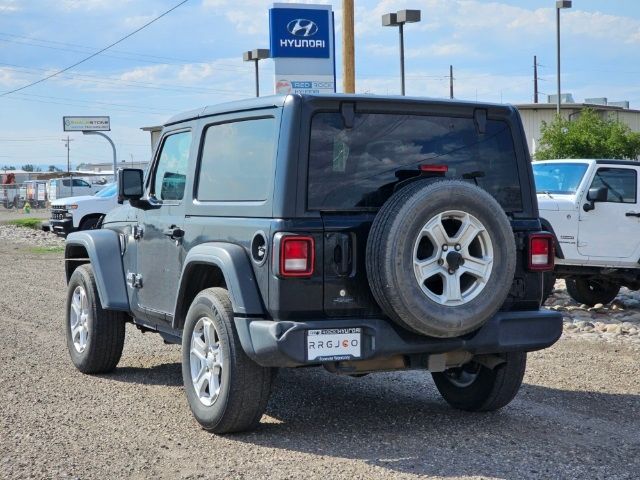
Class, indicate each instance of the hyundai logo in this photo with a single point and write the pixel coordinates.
(302, 28)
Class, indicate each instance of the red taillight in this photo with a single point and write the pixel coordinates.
(434, 168)
(541, 252)
(297, 256)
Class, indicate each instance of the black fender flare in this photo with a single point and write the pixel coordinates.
(546, 225)
(235, 265)
(104, 254)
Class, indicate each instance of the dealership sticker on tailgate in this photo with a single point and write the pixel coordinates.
(333, 344)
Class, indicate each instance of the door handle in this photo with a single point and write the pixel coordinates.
(632, 214)
(174, 232)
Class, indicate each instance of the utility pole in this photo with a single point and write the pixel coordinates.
(348, 48)
(451, 82)
(67, 142)
(535, 79)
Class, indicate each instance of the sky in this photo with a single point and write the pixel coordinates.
(193, 57)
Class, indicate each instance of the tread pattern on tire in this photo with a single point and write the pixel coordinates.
(108, 329)
(579, 290)
(378, 235)
(501, 386)
(249, 391)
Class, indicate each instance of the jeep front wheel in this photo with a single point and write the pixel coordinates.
(477, 388)
(226, 390)
(95, 337)
(592, 291)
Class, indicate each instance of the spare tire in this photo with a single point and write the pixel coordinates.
(441, 257)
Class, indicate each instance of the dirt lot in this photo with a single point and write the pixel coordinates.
(577, 416)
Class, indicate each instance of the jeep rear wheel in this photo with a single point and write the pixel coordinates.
(592, 291)
(226, 390)
(441, 257)
(478, 388)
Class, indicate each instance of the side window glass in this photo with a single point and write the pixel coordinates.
(66, 183)
(80, 183)
(619, 182)
(238, 161)
(171, 170)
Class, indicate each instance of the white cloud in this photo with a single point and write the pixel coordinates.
(137, 21)
(89, 5)
(252, 16)
(9, 6)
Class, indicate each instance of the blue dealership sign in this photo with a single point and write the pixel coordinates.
(300, 33)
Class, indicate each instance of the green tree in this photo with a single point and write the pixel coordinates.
(589, 136)
(53, 168)
(28, 168)
(8, 167)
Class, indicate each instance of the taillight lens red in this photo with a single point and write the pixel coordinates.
(541, 252)
(297, 256)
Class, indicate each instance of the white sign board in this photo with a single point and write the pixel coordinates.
(305, 84)
(86, 124)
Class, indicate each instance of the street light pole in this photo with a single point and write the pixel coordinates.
(560, 4)
(398, 19)
(113, 147)
(402, 80)
(255, 56)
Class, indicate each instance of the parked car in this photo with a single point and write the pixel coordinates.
(593, 209)
(67, 187)
(357, 233)
(81, 213)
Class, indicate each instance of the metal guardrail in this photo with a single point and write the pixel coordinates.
(16, 195)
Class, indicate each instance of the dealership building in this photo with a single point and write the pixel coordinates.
(533, 114)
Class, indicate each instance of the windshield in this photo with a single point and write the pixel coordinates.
(108, 191)
(558, 178)
(359, 167)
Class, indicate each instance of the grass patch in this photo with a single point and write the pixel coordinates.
(41, 250)
(33, 223)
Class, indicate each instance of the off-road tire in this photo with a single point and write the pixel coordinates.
(491, 390)
(106, 328)
(591, 292)
(245, 385)
(389, 257)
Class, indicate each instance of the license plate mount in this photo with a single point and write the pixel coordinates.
(334, 344)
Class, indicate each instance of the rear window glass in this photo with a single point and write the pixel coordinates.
(359, 167)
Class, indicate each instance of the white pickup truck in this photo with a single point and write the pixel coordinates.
(593, 209)
(81, 213)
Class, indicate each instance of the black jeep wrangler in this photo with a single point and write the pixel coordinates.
(357, 233)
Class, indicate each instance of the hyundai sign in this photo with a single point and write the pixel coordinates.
(300, 33)
(302, 47)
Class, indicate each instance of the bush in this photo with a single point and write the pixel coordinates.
(589, 136)
(33, 223)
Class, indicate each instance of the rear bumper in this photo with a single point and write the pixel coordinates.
(61, 227)
(283, 343)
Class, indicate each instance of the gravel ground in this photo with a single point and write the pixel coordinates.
(615, 322)
(577, 415)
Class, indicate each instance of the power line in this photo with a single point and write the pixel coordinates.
(96, 53)
(96, 79)
(140, 56)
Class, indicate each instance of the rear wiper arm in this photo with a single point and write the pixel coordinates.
(475, 175)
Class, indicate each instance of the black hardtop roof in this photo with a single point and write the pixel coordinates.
(279, 101)
(607, 161)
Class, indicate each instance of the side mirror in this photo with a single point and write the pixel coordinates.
(595, 195)
(130, 184)
(598, 194)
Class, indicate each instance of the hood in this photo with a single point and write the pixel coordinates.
(70, 200)
(558, 202)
